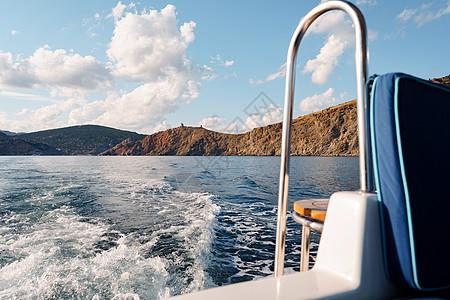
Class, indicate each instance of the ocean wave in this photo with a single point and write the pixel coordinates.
(59, 252)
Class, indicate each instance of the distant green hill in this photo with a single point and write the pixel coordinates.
(10, 133)
(12, 145)
(81, 140)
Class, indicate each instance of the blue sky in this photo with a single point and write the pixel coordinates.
(150, 65)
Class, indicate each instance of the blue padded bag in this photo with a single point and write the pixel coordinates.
(410, 131)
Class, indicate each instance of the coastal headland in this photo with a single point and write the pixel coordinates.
(330, 132)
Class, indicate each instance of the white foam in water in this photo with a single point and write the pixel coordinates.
(195, 212)
(191, 217)
(200, 225)
(58, 257)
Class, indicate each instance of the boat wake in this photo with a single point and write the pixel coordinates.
(143, 240)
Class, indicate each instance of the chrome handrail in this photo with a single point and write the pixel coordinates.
(366, 174)
(307, 225)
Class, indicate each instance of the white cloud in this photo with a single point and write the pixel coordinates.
(214, 123)
(232, 128)
(147, 49)
(141, 108)
(323, 65)
(219, 61)
(57, 69)
(229, 63)
(10, 124)
(149, 46)
(279, 74)
(14, 32)
(366, 2)
(117, 11)
(208, 73)
(265, 116)
(406, 14)
(47, 116)
(187, 32)
(327, 60)
(423, 14)
(44, 117)
(425, 17)
(15, 74)
(27, 96)
(70, 71)
(160, 127)
(320, 101)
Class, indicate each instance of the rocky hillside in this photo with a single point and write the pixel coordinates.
(11, 145)
(81, 140)
(331, 132)
(443, 80)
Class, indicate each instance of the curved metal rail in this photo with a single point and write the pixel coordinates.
(366, 175)
(307, 225)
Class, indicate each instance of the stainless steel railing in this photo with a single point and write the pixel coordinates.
(307, 225)
(366, 174)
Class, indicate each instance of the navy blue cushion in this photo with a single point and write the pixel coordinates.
(410, 129)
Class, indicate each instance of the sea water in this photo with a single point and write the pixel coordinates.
(148, 227)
